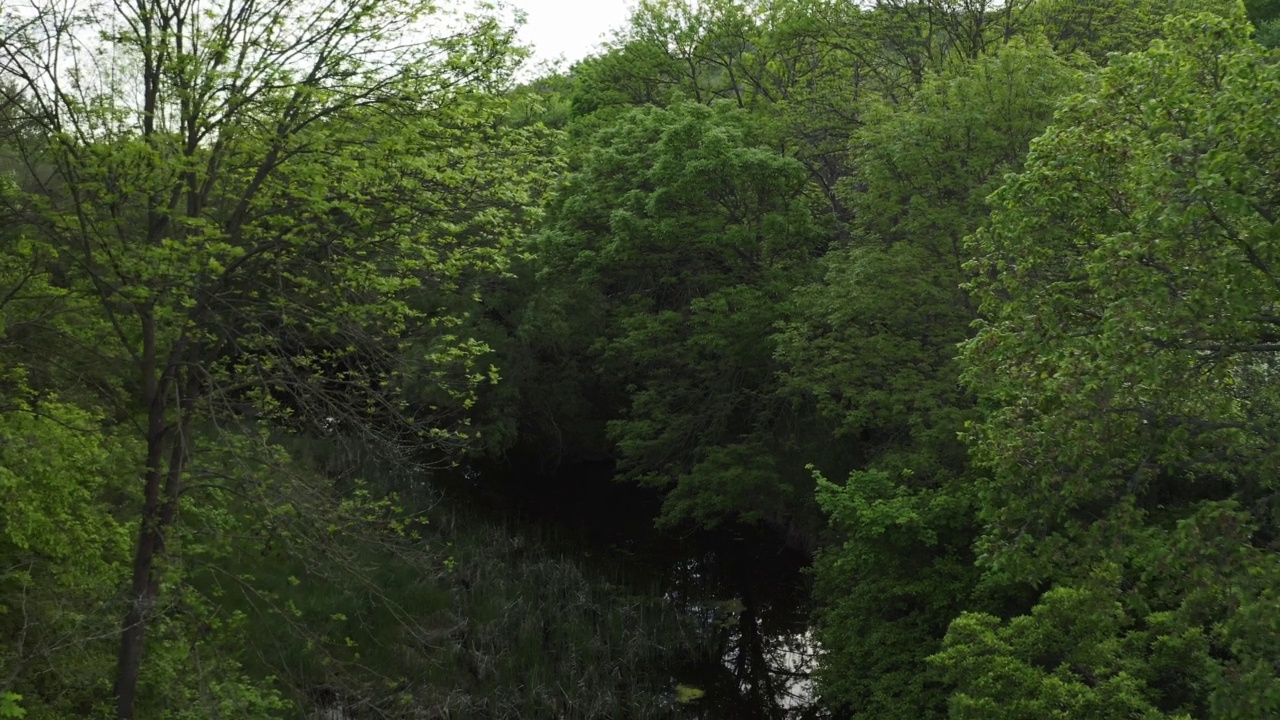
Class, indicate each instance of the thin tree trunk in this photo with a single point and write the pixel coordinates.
(143, 590)
(162, 488)
(146, 575)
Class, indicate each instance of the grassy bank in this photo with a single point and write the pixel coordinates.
(459, 617)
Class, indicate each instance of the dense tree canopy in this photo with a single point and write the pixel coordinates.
(685, 238)
(1126, 280)
(874, 345)
(971, 305)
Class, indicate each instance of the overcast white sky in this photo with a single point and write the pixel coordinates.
(572, 28)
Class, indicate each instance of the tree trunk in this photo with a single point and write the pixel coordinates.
(161, 492)
(159, 517)
(144, 588)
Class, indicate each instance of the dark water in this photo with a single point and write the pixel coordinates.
(741, 586)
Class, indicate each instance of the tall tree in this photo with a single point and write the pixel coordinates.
(678, 238)
(250, 196)
(871, 350)
(1125, 362)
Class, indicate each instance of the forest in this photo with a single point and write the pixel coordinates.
(785, 359)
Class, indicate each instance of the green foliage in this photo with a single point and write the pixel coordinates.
(1265, 16)
(468, 617)
(871, 349)
(1152, 328)
(63, 549)
(54, 509)
(878, 623)
(1062, 661)
(1093, 648)
(9, 707)
(679, 236)
(926, 168)
(221, 221)
(1126, 282)
(872, 343)
(789, 63)
(234, 271)
(1098, 27)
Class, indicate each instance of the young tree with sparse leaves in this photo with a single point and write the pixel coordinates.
(259, 207)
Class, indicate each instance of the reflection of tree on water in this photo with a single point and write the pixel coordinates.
(760, 651)
(746, 592)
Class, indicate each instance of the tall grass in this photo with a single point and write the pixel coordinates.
(469, 619)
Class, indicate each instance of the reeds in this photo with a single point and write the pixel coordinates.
(469, 619)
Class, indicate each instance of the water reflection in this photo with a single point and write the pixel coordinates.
(761, 651)
(745, 591)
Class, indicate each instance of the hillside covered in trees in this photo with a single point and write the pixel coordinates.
(963, 316)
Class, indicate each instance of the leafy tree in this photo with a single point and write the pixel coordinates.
(920, 36)
(254, 201)
(1097, 27)
(780, 60)
(1124, 362)
(871, 349)
(676, 240)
